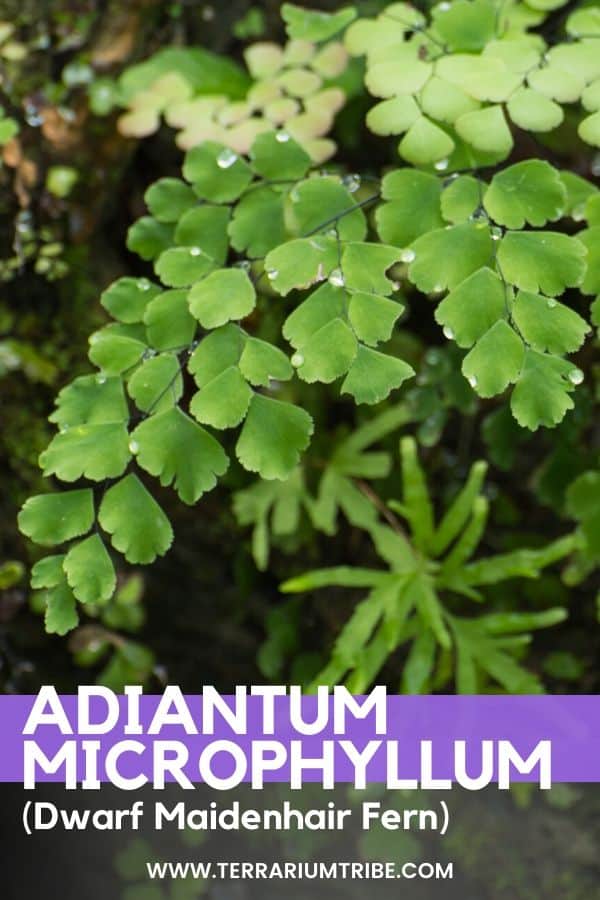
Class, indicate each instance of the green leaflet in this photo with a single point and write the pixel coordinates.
(169, 324)
(114, 352)
(308, 201)
(542, 261)
(273, 436)
(61, 609)
(223, 402)
(91, 451)
(542, 393)
(126, 299)
(417, 505)
(205, 227)
(373, 317)
(264, 205)
(466, 26)
(148, 238)
(169, 198)
(216, 352)
(313, 25)
(157, 384)
(529, 192)
(547, 324)
(89, 570)
(300, 263)
(261, 363)
(373, 375)
(322, 306)
(181, 266)
(216, 173)
(445, 257)
(486, 130)
(468, 311)
(425, 143)
(90, 399)
(364, 267)
(495, 361)
(461, 199)
(413, 208)
(328, 353)
(138, 527)
(277, 156)
(224, 295)
(533, 111)
(48, 572)
(172, 447)
(54, 518)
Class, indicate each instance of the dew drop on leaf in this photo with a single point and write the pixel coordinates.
(448, 332)
(101, 378)
(282, 136)
(195, 251)
(297, 360)
(578, 213)
(472, 379)
(442, 164)
(226, 158)
(551, 303)
(351, 182)
(143, 284)
(337, 278)
(576, 376)
(496, 233)
(408, 256)
(133, 446)
(272, 274)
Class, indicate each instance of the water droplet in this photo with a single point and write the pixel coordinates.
(297, 360)
(64, 429)
(496, 233)
(396, 285)
(351, 182)
(576, 376)
(143, 284)
(133, 446)
(444, 7)
(226, 158)
(336, 278)
(448, 333)
(243, 264)
(272, 274)
(282, 136)
(408, 256)
(551, 303)
(578, 213)
(94, 338)
(441, 165)
(195, 251)
(479, 215)
(472, 379)
(101, 378)
(438, 288)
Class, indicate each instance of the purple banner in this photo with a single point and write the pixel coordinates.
(569, 725)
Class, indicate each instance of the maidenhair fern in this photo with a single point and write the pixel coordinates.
(410, 604)
(271, 272)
